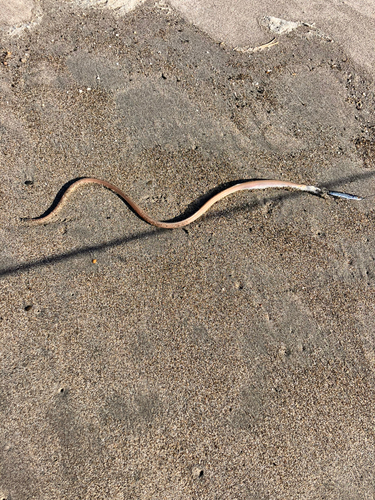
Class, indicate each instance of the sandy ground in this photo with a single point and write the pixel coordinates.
(233, 359)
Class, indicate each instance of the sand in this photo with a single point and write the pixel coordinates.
(232, 359)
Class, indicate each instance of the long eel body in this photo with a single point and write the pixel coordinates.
(243, 186)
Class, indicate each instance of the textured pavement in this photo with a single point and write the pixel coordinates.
(232, 359)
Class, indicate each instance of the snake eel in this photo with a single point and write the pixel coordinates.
(242, 186)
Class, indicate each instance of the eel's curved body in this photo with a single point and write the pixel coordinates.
(243, 186)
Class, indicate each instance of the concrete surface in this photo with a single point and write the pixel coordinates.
(231, 360)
